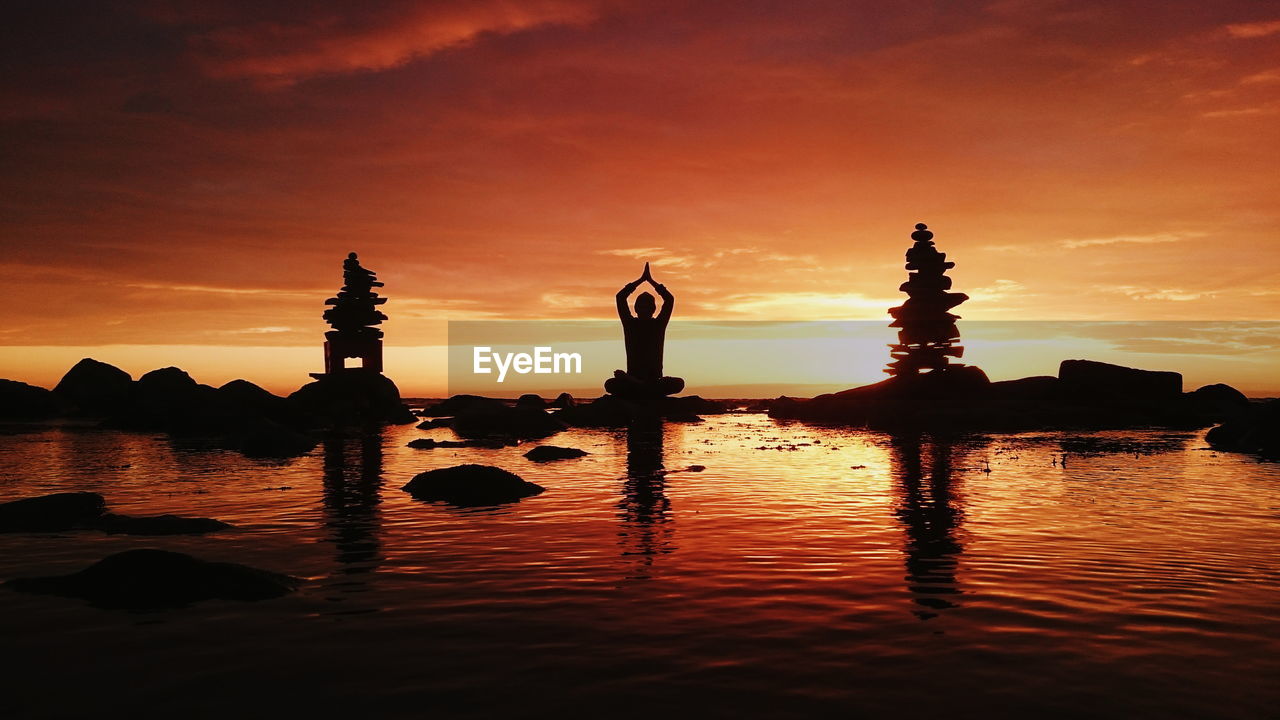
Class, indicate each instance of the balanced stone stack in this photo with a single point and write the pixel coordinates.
(355, 310)
(927, 333)
(353, 313)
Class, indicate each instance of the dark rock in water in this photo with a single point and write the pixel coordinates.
(1255, 431)
(95, 388)
(901, 401)
(88, 511)
(158, 525)
(20, 401)
(1088, 395)
(149, 579)
(618, 411)
(1105, 385)
(250, 399)
(352, 397)
(562, 401)
(694, 405)
(470, 485)
(547, 453)
(1218, 401)
(60, 511)
(435, 423)
(169, 400)
(531, 400)
(262, 438)
(459, 404)
(488, 443)
(524, 423)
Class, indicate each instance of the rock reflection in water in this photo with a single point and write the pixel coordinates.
(931, 515)
(352, 494)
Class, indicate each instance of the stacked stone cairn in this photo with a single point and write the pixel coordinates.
(927, 334)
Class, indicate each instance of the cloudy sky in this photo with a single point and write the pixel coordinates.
(179, 181)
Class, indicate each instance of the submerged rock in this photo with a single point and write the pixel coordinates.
(435, 423)
(547, 453)
(88, 511)
(618, 411)
(523, 423)
(157, 525)
(470, 485)
(146, 578)
(432, 444)
(48, 513)
(20, 401)
(95, 388)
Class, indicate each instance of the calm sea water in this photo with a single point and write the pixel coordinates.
(806, 571)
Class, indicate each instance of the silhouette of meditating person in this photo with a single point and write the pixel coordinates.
(644, 334)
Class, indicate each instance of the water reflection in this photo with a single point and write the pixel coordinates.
(352, 493)
(931, 516)
(645, 510)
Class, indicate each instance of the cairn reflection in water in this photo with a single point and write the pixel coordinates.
(645, 510)
(352, 493)
(931, 516)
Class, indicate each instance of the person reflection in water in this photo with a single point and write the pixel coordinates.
(644, 333)
(645, 510)
(931, 519)
(352, 493)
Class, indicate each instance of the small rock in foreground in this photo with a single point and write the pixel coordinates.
(158, 525)
(60, 511)
(547, 453)
(470, 485)
(151, 579)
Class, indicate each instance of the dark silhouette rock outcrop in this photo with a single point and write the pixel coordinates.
(471, 485)
(20, 401)
(615, 411)
(522, 423)
(1219, 401)
(459, 404)
(51, 513)
(352, 398)
(548, 453)
(95, 388)
(1256, 431)
(1103, 384)
(152, 579)
(435, 423)
(531, 400)
(562, 401)
(1087, 395)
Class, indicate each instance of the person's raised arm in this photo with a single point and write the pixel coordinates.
(624, 312)
(668, 300)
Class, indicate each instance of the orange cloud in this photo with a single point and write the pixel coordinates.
(285, 52)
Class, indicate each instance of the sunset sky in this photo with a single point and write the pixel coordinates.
(179, 181)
